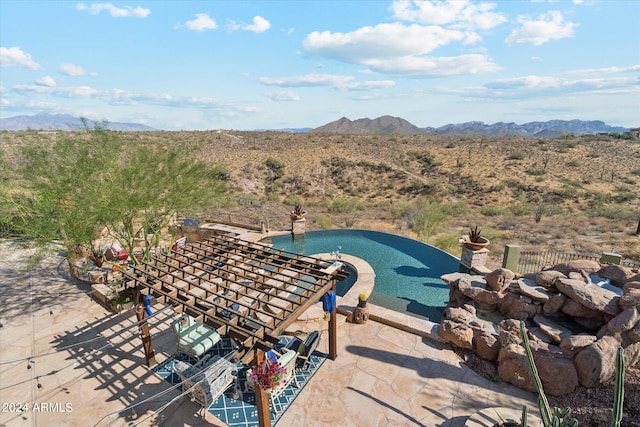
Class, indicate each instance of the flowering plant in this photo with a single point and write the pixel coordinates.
(268, 374)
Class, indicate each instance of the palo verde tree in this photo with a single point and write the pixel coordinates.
(84, 182)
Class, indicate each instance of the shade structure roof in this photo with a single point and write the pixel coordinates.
(248, 291)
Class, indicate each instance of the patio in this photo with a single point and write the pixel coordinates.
(383, 376)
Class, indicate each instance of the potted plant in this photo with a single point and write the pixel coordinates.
(474, 240)
(268, 374)
(298, 213)
(361, 312)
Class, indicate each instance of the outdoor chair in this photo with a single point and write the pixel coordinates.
(304, 348)
(194, 339)
(205, 381)
(288, 362)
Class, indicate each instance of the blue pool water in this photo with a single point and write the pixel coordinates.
(407, 271)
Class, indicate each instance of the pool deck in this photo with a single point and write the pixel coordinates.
(383, 375)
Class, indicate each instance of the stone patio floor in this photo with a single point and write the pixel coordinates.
(383, 376)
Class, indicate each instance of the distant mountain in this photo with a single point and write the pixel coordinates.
(384, 124)
(395, 125)
(61, 122)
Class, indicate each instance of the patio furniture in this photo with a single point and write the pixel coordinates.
(304, 348)
(207, 380)
(193, 338)
(288, 362)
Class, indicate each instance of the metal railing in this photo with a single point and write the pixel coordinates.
(534, 261)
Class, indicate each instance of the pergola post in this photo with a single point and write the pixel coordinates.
(262, 400)
(333, 323)
(145, 335)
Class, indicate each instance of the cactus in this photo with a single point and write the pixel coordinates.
(557, 417)
(525, 412)
(618, 398)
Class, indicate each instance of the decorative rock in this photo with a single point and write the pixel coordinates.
(575, 309)
(518, 307)
(470, 308)
(591, 296)
(630, 298)
(458, 315)
(624, 321)
(539, 335)
(577, 265)
(589, 323)
(555, 331)
(509, 330)
(536, 293)
(572, 343)
(499, 279)
(486, 345)
(596, 363)
(552, 308)
(633, 336)
(547, 278)
(618, 274)
(629, 285)
(456, 333)
(632, 354)
(513, 367)
(558, 375)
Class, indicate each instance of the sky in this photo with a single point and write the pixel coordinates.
(247, 65)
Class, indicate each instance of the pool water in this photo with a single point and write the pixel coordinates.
(407, 271)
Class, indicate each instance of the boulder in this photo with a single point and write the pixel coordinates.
(499, 279)
(633, 335)
(628, 285)
(577, 265)
(558, 375)
(618, 274)
(591, 296)
(459, 315)
(555, 331)
(509, 331)
(589, 323)
(518, 307)
(456, 333)
(572, 343)
(553, 306)
(595, 363)
(513, 367)
(630, 297)
(486, 345)
(575, 309)
(537, 334)
(536, 293)
(547, 278)
(624, 321)
(632, 354)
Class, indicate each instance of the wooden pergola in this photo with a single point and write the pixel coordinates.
(245, 290)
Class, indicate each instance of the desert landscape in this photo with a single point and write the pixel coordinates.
(576, 194)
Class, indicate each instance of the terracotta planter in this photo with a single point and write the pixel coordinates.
(474, 246)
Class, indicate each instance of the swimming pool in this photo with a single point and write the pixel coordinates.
(407, 271)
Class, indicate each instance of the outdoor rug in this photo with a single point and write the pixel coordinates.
(242, 412)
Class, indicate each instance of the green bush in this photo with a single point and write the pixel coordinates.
(517, 155)
(342, 205)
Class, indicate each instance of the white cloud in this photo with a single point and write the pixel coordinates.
(15, 57)
(609, 70)
(282, 96)
(382, 41)
(398, 49)
(46, 81)
(74, 70)
(201, 23)
(458, 14)
(422, 66)
(326, 80)
(260, 25)
(114, 11)
(548, 26)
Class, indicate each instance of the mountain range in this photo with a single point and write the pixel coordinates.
(62, 122)
(396, 125)
(383, 124)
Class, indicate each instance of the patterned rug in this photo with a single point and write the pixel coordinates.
(242, 412)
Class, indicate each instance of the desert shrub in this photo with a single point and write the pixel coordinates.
(456, 208)
(324, 222)
(517, 155)
(342, 205)
(424, 217)
(566, 191)
(536, 171)
(294, 200)
(522, 208)
(636, 172)
(493, 210)
(448, 242)
(614, 211)
(574, 163)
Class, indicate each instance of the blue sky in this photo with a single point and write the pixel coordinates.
(288, 64)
